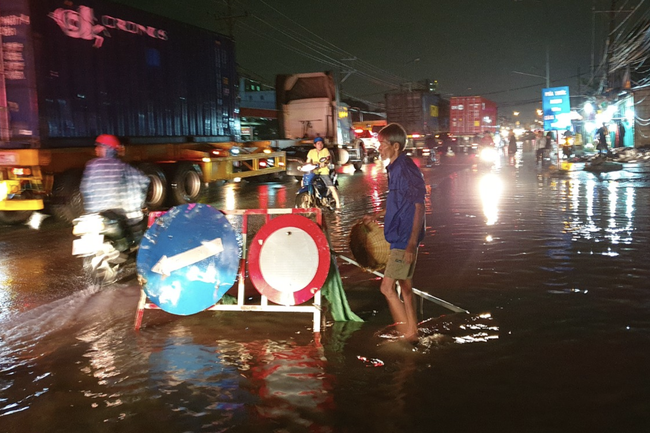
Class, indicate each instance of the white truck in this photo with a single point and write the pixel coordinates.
(308, 107)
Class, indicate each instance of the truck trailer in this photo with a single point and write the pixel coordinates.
(472, 115)
(422, 114)
(70, 72)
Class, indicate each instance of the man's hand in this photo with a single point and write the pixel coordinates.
(409, 254)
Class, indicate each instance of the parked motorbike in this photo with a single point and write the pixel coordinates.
(106, 242)
(313, 191)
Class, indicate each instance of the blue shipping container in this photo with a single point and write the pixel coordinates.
(73, 72)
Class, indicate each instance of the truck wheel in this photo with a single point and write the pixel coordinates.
(186, 183)
(157, 188)
(14, 216)
(303, 201)
(67, 202)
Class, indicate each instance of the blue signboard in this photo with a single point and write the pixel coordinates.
(557, 108)
(188, 259)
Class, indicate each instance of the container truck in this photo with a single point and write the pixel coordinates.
(472, 115)
(422, 113)
(71, 71)
(308, 107)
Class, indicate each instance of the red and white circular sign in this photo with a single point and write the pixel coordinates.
(289, 259)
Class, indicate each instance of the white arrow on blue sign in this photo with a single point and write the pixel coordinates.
(188, 259)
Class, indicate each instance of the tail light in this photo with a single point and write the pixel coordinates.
(21, 171)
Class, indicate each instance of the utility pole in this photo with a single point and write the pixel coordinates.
(548, 69)
(608, 46)
(593, 39)
(231, 19)
(609, 43)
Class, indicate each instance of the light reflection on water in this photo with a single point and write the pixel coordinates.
(552, 267)
(605, 213)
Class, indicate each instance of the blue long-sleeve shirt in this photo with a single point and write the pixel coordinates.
(405, 189)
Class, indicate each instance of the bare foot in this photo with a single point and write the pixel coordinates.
(412, 338)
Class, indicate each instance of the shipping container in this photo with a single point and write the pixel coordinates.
(73, 71)
(104, 68)
(420, 112)
(471, 115)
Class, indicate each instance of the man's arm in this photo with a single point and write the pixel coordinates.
(418, 221)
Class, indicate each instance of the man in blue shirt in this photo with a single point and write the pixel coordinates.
(403, 227)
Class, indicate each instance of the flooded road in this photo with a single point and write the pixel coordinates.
(551, 265)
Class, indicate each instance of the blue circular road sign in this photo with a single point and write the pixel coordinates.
(188, 259)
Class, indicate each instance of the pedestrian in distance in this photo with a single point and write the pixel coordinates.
(111, 184)
(549, 141)
(314, 157)
(540, 145)
(602, 132)
(512, 143)
(403, 228)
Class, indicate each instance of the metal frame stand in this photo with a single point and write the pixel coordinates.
(315, 308)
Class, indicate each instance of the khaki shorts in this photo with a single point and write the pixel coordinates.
(397, 269)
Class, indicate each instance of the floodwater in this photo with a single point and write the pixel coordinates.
(552, 267)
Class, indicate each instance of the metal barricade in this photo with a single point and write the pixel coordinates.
(241, 305)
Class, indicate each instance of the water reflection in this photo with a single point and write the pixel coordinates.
(290, 379)
(224, 382)
(24, 276)
(377, 185)
(198, 383)
(230, 196)
(490, 189)
(606, 213)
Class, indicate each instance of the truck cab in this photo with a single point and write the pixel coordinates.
(308, 107)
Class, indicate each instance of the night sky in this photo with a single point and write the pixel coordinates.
(471, 47)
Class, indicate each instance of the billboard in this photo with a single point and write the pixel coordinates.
(557, 108)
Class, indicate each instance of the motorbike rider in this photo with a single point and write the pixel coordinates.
(314, 157)
(487, 140)
(111, 184)
(567, 149)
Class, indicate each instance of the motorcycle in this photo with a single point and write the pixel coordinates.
(568, 148)
(106, 242)
(313, 191)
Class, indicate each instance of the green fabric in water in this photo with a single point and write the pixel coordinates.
(333, 291)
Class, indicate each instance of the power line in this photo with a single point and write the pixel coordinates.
(319, 52)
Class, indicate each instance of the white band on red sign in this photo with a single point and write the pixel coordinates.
(289, 259)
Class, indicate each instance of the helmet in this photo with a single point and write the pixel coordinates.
(317, 139)
(108, 141)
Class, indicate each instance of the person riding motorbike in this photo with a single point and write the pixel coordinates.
(314, 157)
(109, 184)
(567, 148)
